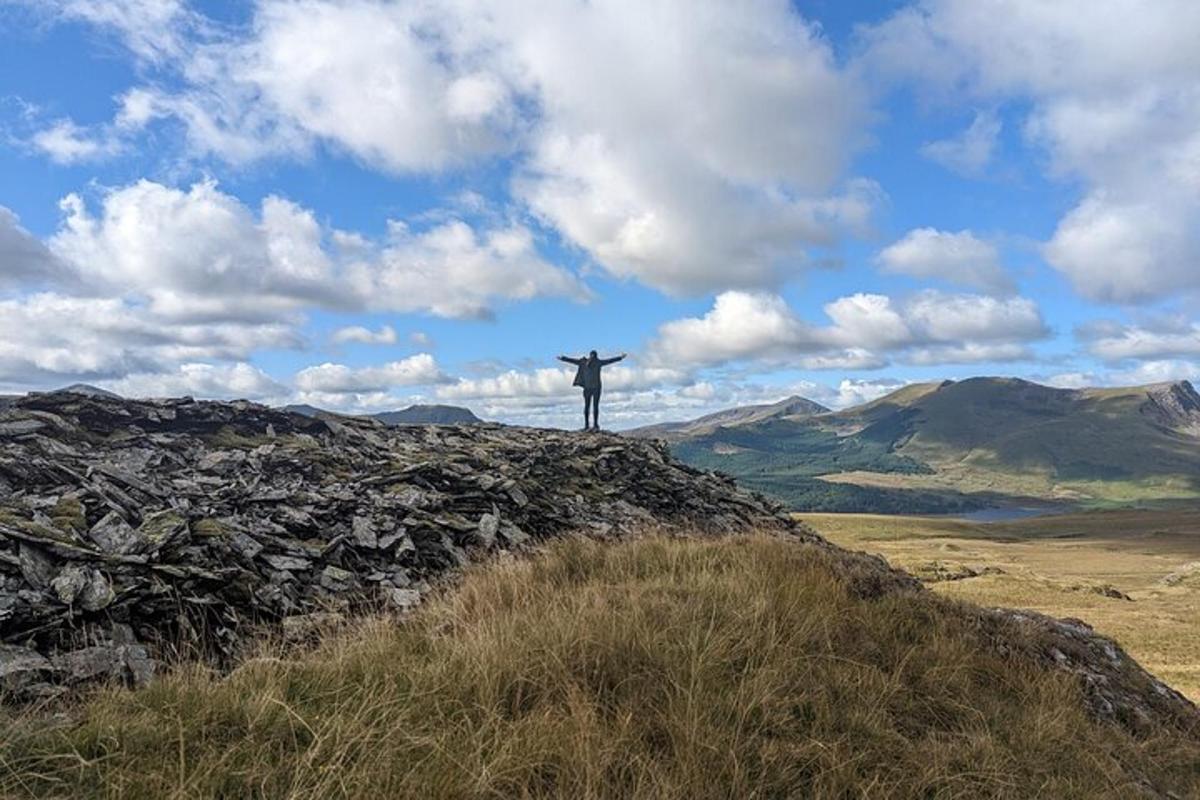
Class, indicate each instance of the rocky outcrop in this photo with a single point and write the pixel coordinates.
(1115, 687)
(1174, 405)
(134, 529)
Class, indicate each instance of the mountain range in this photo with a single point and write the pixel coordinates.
(412, 415)
(959, 445)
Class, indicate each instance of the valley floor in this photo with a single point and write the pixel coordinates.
(1132, 575)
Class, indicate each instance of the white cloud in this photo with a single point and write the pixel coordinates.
(199, 252)
(513, 384)
(202, 254)
(971, 151)
(960, 258)
(866, 321)
(152, 29)
(939, 317)
(222, 381)
(691, 167)
(66, 143)
(1113, 98)
(929, 328)
(451, 270)
(740, 325)
(418, 370)
(969, 353)
(1072, 380)
(48, 339)
(401, 97)
(155, 276)
(362, 335)
(853, 358)
(1161, 371)
(1113, 342)
(1129, 251)
(856, 392)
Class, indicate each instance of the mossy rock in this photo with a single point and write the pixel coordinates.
(69, 514)
(34, 529)
(157, 529)
(209, 527)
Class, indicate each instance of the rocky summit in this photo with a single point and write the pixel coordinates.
(134, 530)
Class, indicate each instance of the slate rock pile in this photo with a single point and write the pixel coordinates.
(132, 530)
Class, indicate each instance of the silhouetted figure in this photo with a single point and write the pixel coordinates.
(588, 376)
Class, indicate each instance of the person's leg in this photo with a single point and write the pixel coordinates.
(596, 409)
(587, 408)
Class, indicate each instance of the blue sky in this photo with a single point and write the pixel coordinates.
(362, 204)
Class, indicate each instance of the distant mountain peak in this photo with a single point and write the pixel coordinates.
(1175, 405)
(429, 414)
(793, 406)
(419, 414)
(89, 390)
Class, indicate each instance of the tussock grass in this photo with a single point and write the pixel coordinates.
(656, 668)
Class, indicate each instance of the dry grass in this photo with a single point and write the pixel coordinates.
(656, 668)
(1056, 564)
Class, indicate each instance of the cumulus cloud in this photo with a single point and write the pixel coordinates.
(1157, 371)
(961, 258)
(1121, 251)
(928, 328)
(971, 151)
(330, 378)
(223, 381)
(939, 317)
(740, 325)
(856, 392)
(153, 276)
(198, 252)
(697, 166)
(452, 270)
(1163, 339)
(690, 168)
(1113, 99)
(202, 254)
(47, 339)
(362, 335)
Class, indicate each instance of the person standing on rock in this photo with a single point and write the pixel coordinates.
(588, 377)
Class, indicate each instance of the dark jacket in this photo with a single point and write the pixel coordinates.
(588, 374)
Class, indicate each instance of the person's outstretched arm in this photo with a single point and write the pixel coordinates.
(612, 360)
(569, 360)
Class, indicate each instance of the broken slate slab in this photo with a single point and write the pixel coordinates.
(363, 532)
(113, 534)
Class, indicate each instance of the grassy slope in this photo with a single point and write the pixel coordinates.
(746, 667)
(1059, 566)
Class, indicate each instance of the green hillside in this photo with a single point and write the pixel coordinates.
(954, 446)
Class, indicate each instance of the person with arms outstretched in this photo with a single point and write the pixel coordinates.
(588, 377)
